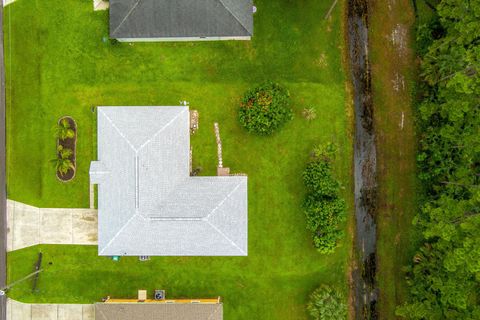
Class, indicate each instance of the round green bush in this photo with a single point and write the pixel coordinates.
(326, 303)
(265, 108)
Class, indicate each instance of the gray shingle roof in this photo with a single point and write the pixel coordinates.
(148, 203)
(158, 311)
(180, 18)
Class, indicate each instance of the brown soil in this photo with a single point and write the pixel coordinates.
(69, 143)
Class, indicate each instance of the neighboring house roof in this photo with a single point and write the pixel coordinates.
(158, 311)
(148, 204)
(180, 18)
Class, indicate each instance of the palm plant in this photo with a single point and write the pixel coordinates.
(309, 113)
(64, 130)
(63, 163)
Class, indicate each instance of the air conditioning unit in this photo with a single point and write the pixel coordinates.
(159, 295)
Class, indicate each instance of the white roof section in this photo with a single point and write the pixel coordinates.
(147, 202)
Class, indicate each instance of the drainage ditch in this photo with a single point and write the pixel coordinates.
(365, 289)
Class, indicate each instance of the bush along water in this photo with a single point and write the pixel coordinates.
(324, 208)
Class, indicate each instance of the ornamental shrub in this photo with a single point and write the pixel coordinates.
(323, 219)
(265, 109)
(327, 303)
(319, 181)
(323, 207)
(64, 130)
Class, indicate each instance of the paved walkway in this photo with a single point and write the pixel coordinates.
(7, 2)
(99, 5)
(29, 226)
(25, 311)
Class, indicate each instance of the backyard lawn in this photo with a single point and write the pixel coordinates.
(59, 62)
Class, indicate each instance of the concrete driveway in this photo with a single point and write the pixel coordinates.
(25, 311)
(28, 226)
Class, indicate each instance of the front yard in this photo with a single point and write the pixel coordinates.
(59, 62)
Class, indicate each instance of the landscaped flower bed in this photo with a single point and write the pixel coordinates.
(65, 162)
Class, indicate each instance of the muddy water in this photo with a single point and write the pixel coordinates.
(365, 162)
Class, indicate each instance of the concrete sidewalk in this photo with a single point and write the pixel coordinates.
(25, 311)
(29, 226)
(7, 2)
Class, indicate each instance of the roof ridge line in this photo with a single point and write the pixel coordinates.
(118, 232)
(157, 218)
(227, 238)
(231, 13)
(223, 201)
(127, 15)
(118, 130)
(160, 130)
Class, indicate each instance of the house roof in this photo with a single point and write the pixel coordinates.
(148, 204)
(158, 311)
(180, 18)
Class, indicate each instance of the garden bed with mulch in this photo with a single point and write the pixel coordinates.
(71, 144)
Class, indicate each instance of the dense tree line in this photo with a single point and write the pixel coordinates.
(444, 277)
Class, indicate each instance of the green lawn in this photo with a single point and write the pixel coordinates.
(58, 64)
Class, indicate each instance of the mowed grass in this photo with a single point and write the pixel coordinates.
(393, 74)
(60, 62)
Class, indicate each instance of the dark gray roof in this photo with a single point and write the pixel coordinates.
(147, 202)
(180, 18)
(158, 311)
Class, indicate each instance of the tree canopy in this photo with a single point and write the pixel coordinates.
(444, 277)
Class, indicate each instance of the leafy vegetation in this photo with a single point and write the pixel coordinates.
(57, 64)
(324, 209)
(265, 108)
(64, 130)
(444, 277)
(63, 162)
(309, 113)
(327, 303)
